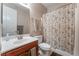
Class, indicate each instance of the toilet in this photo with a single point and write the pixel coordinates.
(44, 48)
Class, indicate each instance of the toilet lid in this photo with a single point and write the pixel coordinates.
(44, 46)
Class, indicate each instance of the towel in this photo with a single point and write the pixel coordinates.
(33, 51)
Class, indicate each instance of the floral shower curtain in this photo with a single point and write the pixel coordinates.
(59, 28)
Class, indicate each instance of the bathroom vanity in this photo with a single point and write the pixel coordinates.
(21, 49)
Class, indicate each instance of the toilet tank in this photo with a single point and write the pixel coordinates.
(39, 38)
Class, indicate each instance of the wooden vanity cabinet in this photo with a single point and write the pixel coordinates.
(24, 50)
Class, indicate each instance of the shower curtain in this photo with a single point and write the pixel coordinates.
(59, 28)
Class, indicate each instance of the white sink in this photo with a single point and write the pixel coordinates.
(20, 41)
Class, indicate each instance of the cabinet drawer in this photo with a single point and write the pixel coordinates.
(15, 52)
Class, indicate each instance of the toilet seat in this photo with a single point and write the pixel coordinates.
(44, 46)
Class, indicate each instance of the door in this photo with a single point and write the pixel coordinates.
(9, 20)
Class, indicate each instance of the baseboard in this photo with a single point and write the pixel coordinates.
(63, 53)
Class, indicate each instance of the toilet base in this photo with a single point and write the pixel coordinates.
(45, 53)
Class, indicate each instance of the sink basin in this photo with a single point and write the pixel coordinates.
(24, 40)
(20, 41)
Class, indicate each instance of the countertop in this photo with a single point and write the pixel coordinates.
(15, 43)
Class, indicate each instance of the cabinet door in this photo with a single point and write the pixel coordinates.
(26, 53)
(22, 54)
(16, 52)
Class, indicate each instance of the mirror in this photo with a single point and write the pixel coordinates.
(15, 19)
(0, 20)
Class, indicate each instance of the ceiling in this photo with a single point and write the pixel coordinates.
(49, 6)
(53, 5)
(16, 6)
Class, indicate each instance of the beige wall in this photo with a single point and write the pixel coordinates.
(36, 12)
(76, 49)
(23, 18)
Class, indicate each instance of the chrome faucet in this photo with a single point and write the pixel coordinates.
(7, 37)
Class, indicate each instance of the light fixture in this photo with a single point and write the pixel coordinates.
(27, 5)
